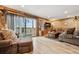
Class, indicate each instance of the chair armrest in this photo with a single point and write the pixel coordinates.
(76, 37)
(62, 36)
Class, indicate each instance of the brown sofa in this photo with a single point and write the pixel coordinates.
(9, 47)
(70, 36)
(9, 44)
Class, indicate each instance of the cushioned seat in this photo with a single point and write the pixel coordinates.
(10, 44)
(69, 36)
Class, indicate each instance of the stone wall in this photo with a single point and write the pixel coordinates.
(67, 23)
(2, 21)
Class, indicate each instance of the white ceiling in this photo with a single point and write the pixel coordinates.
(49, 11)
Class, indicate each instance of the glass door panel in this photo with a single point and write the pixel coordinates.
(33, 27)
(20, 25)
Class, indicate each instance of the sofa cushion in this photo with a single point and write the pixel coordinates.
(69, 36)
(70, 30)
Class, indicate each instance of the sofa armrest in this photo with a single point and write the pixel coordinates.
(62, 36)
(76, 37)
(5, 43)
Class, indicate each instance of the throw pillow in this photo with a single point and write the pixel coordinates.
(70, 30)
(76, 33)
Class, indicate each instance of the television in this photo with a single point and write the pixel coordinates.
(47, 25)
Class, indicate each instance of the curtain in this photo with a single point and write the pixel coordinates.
(10, 21)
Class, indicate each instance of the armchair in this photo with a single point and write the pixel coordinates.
(10, 44)
(7, 46)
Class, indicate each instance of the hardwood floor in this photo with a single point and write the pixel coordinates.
(44, 45)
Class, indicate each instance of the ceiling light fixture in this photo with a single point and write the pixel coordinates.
(66, 12)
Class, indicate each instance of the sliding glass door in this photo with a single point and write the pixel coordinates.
(34, 27)
(10, 21)
(23, 26)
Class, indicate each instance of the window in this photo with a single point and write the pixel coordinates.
(23, 26)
